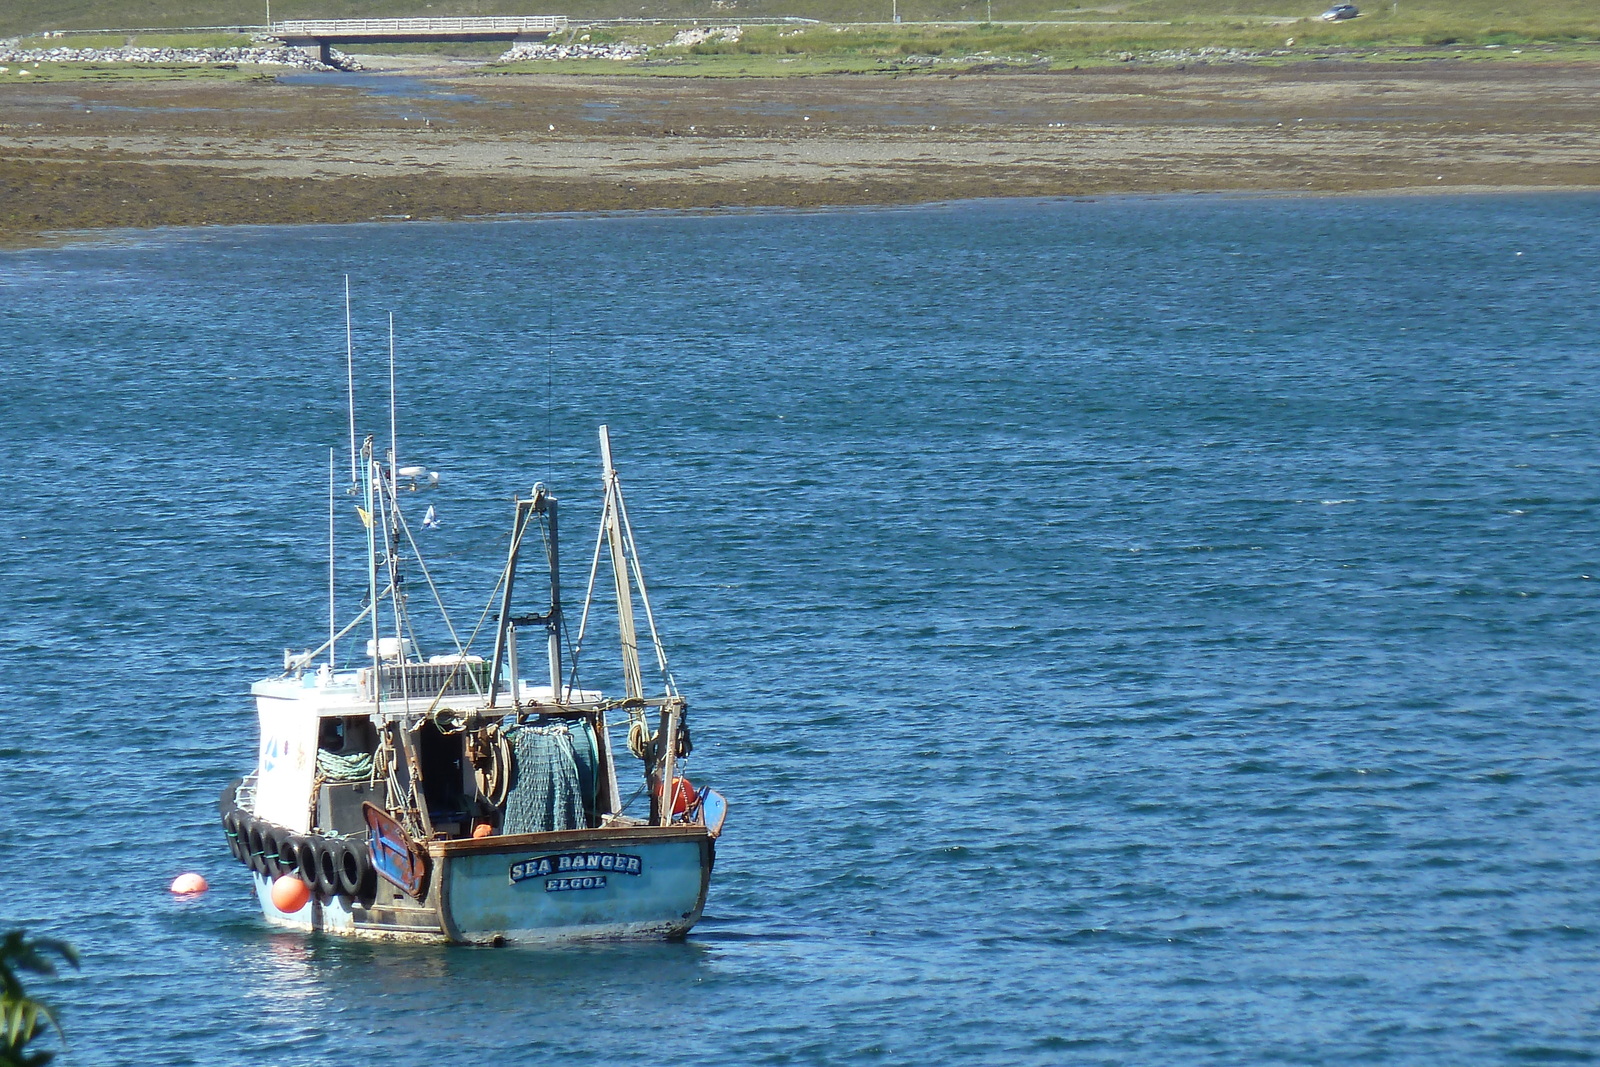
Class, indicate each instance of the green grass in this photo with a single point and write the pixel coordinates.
(126, 72)
(1468, 19)
(1057, 33)
(700, 67)
(142, 40)
(772, 50)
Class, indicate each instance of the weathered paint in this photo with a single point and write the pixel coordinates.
(472, 897)
(332, 915)
(480, 901)
(286, 763)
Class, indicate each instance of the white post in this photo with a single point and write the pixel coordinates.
(350, 379)
(333, 619)
(611, 520)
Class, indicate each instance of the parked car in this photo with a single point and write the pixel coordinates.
(1340, 12)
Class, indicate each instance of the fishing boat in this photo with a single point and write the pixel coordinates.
(447, 798)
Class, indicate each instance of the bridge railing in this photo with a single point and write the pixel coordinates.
(384, 27)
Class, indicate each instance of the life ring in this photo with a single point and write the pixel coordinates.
(355, 870)
(326, 882)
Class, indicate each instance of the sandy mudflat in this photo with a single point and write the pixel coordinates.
(82, 155)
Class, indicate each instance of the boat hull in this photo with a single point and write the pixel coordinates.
(576, 885)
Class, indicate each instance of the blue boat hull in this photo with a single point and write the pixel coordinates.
(611, 883)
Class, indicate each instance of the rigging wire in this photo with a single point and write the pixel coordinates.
(405, 528)
(566, 631)
(644, 597)
(550, 390)
(350, 381)
(588, 595)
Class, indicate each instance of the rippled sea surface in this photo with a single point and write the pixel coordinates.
(1133, 631)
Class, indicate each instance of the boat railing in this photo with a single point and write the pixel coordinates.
(445, 26)
(423, 681)
(244, 796)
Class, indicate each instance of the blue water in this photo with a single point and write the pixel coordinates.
(1130, 631)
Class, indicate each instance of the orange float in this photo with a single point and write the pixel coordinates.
(188, 884)
(289, 893)
(683, 795)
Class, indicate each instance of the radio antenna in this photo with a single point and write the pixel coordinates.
(333, 618)
(350, 381)
(550, 391)
(394, 440)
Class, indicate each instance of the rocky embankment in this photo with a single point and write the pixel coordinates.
(576, 50)
(265, 54)
(583, 48)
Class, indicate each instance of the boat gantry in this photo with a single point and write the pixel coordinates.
(448, 798)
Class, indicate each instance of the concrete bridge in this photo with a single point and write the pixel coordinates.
(318, 35)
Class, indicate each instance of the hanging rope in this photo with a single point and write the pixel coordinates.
(641, 741)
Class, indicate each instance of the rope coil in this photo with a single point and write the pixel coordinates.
(336, 768)
(641, 742)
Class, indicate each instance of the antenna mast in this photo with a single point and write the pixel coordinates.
(333, 619)
(350, 379)
(394, 446)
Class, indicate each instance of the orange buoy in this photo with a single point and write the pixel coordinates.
(482, 828)
(289, 893)
(188, 884)
(683, 795)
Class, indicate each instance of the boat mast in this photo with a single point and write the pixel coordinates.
(350, 382)
(505, 638)
(613, 520)
(333, 618)
(552, 621)
(503, 626)
(391, 501)
(369, 521)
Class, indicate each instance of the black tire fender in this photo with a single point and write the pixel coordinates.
(355, 871)
(326, 883)
(236, 844)
(255, 857)
(228, 800)
(292, 855)
(272, 838)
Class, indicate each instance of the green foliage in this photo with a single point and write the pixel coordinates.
(141, 40)
(20, 1015)
(857, 34)
(127, 72)
(1398, 21)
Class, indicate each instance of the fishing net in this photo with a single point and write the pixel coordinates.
(552, 785)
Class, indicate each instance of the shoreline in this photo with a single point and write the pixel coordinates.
(86, 157)
(64, 238)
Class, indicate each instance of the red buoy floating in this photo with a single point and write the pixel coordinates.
(289, 893)
(188, 884)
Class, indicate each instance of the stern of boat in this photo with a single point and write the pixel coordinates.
(614, 882)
